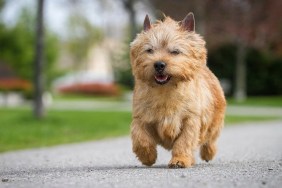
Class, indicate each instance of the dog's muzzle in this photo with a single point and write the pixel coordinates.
(160, 76)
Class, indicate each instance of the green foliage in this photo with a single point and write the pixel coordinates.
(263, 69)
(18, 43)
(51, 55)
(2, 3)
(122, 72)
(125, 78)
(275, 76)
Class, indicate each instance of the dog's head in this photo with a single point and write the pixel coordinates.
(167, 52)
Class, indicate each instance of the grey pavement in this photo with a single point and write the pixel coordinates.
(250, 155)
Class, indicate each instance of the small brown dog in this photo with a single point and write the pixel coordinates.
(177, 102)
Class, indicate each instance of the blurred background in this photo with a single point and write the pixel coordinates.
(65, 73)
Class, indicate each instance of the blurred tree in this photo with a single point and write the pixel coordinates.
(264, 75)
(17, 46)
(179, 9)
(257, 22)
(129, 7)
(38, 108)
(246, 23)
(123, 73)
(17, 49)
(2, 3)
(122, 68)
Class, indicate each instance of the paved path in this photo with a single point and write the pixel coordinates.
(249, 156)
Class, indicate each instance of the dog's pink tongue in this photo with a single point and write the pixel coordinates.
(161, 77)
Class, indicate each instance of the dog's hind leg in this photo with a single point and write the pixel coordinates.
(208, 148)
(208, 151)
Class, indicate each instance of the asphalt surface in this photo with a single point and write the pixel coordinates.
(249, 155)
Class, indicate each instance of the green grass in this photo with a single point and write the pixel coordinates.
(229, 120)
(19, 130)
(271, 101)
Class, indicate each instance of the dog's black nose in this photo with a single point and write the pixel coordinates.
(159, 66)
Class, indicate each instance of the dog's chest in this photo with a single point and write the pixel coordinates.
(168, 129)
(165, 119)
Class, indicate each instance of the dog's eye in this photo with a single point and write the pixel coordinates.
(150, 51)
(175, 52)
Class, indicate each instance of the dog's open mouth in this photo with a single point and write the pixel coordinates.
(162, 78)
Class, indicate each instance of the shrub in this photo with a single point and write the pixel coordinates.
(14, 84)
(91, 88)
(263, 69)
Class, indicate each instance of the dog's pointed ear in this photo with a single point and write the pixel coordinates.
(147, 23)
(188, 23)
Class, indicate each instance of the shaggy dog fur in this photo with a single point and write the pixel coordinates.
(178, 102)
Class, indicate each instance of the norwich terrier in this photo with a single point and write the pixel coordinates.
(178, 102)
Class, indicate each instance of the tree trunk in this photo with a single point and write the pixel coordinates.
(129, 6)
(38, 109)
(133, 24)
(200, 7)
(240, 93)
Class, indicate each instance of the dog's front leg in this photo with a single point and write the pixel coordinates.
(185, 144)
(144, 146)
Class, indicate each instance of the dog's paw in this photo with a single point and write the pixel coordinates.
(207, 152)
(181, 162)
(177, 164)
(147, 155)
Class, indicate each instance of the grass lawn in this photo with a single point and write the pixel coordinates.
(18, 130)
(272, 101)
